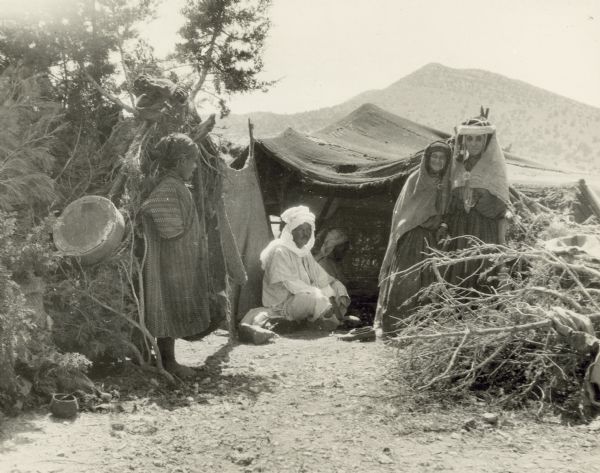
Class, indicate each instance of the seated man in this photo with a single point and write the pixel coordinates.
(295, 286)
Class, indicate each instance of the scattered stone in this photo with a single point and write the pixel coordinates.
(594, 426)
(242, 459)
(384, 459)
(470, 424)
(117, 426)
(490, 418)
(154, 382)
(106, 397)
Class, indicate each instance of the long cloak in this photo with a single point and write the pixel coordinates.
(175, 275)
(416, 218)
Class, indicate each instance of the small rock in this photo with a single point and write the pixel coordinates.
(158, 463)
(594, 426)
(106, 397)
(384, 459)
(470, 424)
(254, 389)
(490, 418)
(242, 459)
(154, 382)
(117, 426)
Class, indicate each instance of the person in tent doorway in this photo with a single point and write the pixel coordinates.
(479, 194)
(176, 305)
(417, 224)
(335, 246)
(295, 286)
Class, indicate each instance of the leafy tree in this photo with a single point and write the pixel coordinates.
(224, 42)
(71, 42)
(28, 127)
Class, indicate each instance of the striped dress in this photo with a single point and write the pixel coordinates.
(175, 275)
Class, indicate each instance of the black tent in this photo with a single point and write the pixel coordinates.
(349, 174)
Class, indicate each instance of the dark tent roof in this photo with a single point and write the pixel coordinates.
(368, 148)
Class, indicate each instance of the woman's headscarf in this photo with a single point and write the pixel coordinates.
(173, 147)
(333, 238)
(292, 217)
(490, 171)
(422, 197)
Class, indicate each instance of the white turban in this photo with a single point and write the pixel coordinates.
(292, 217)
(295, 216)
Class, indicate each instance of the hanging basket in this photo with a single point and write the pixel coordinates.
(90, 228)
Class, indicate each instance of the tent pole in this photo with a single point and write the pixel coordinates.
(251, 135)
(252, 160)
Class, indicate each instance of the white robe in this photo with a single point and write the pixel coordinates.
(299, 287)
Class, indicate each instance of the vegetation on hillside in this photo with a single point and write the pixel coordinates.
(71, 73)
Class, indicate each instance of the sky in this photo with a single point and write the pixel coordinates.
(326, 51)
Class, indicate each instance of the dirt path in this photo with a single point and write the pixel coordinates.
(300, 404)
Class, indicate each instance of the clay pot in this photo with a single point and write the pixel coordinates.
(64, 406)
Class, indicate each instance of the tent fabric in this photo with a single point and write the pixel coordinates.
(369, 148)
(246, 212)
(331, 165)
(349, 174)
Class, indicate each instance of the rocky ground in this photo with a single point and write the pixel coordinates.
(304, 403)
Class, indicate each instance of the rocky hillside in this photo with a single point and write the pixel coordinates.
(531, 121)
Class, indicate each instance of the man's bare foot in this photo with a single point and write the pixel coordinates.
(178, 370)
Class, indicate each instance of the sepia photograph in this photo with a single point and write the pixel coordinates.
(272, 236)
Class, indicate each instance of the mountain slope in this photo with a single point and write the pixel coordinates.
(531, 121)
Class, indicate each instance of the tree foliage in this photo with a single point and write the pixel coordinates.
(73, 42)
(224, 41)
(28, 127)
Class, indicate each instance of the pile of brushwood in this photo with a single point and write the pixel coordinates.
(525, 335)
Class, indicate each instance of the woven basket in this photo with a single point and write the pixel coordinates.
(90, 228)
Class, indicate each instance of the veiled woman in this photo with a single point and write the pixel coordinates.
(479, 194)
(416, 225)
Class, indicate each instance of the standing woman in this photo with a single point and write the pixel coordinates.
(479, 197)
(416, 225)
(175, 274)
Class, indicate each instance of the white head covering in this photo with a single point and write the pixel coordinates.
(292, 217)
(490, 171)
(296, 216)
(334, 237)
